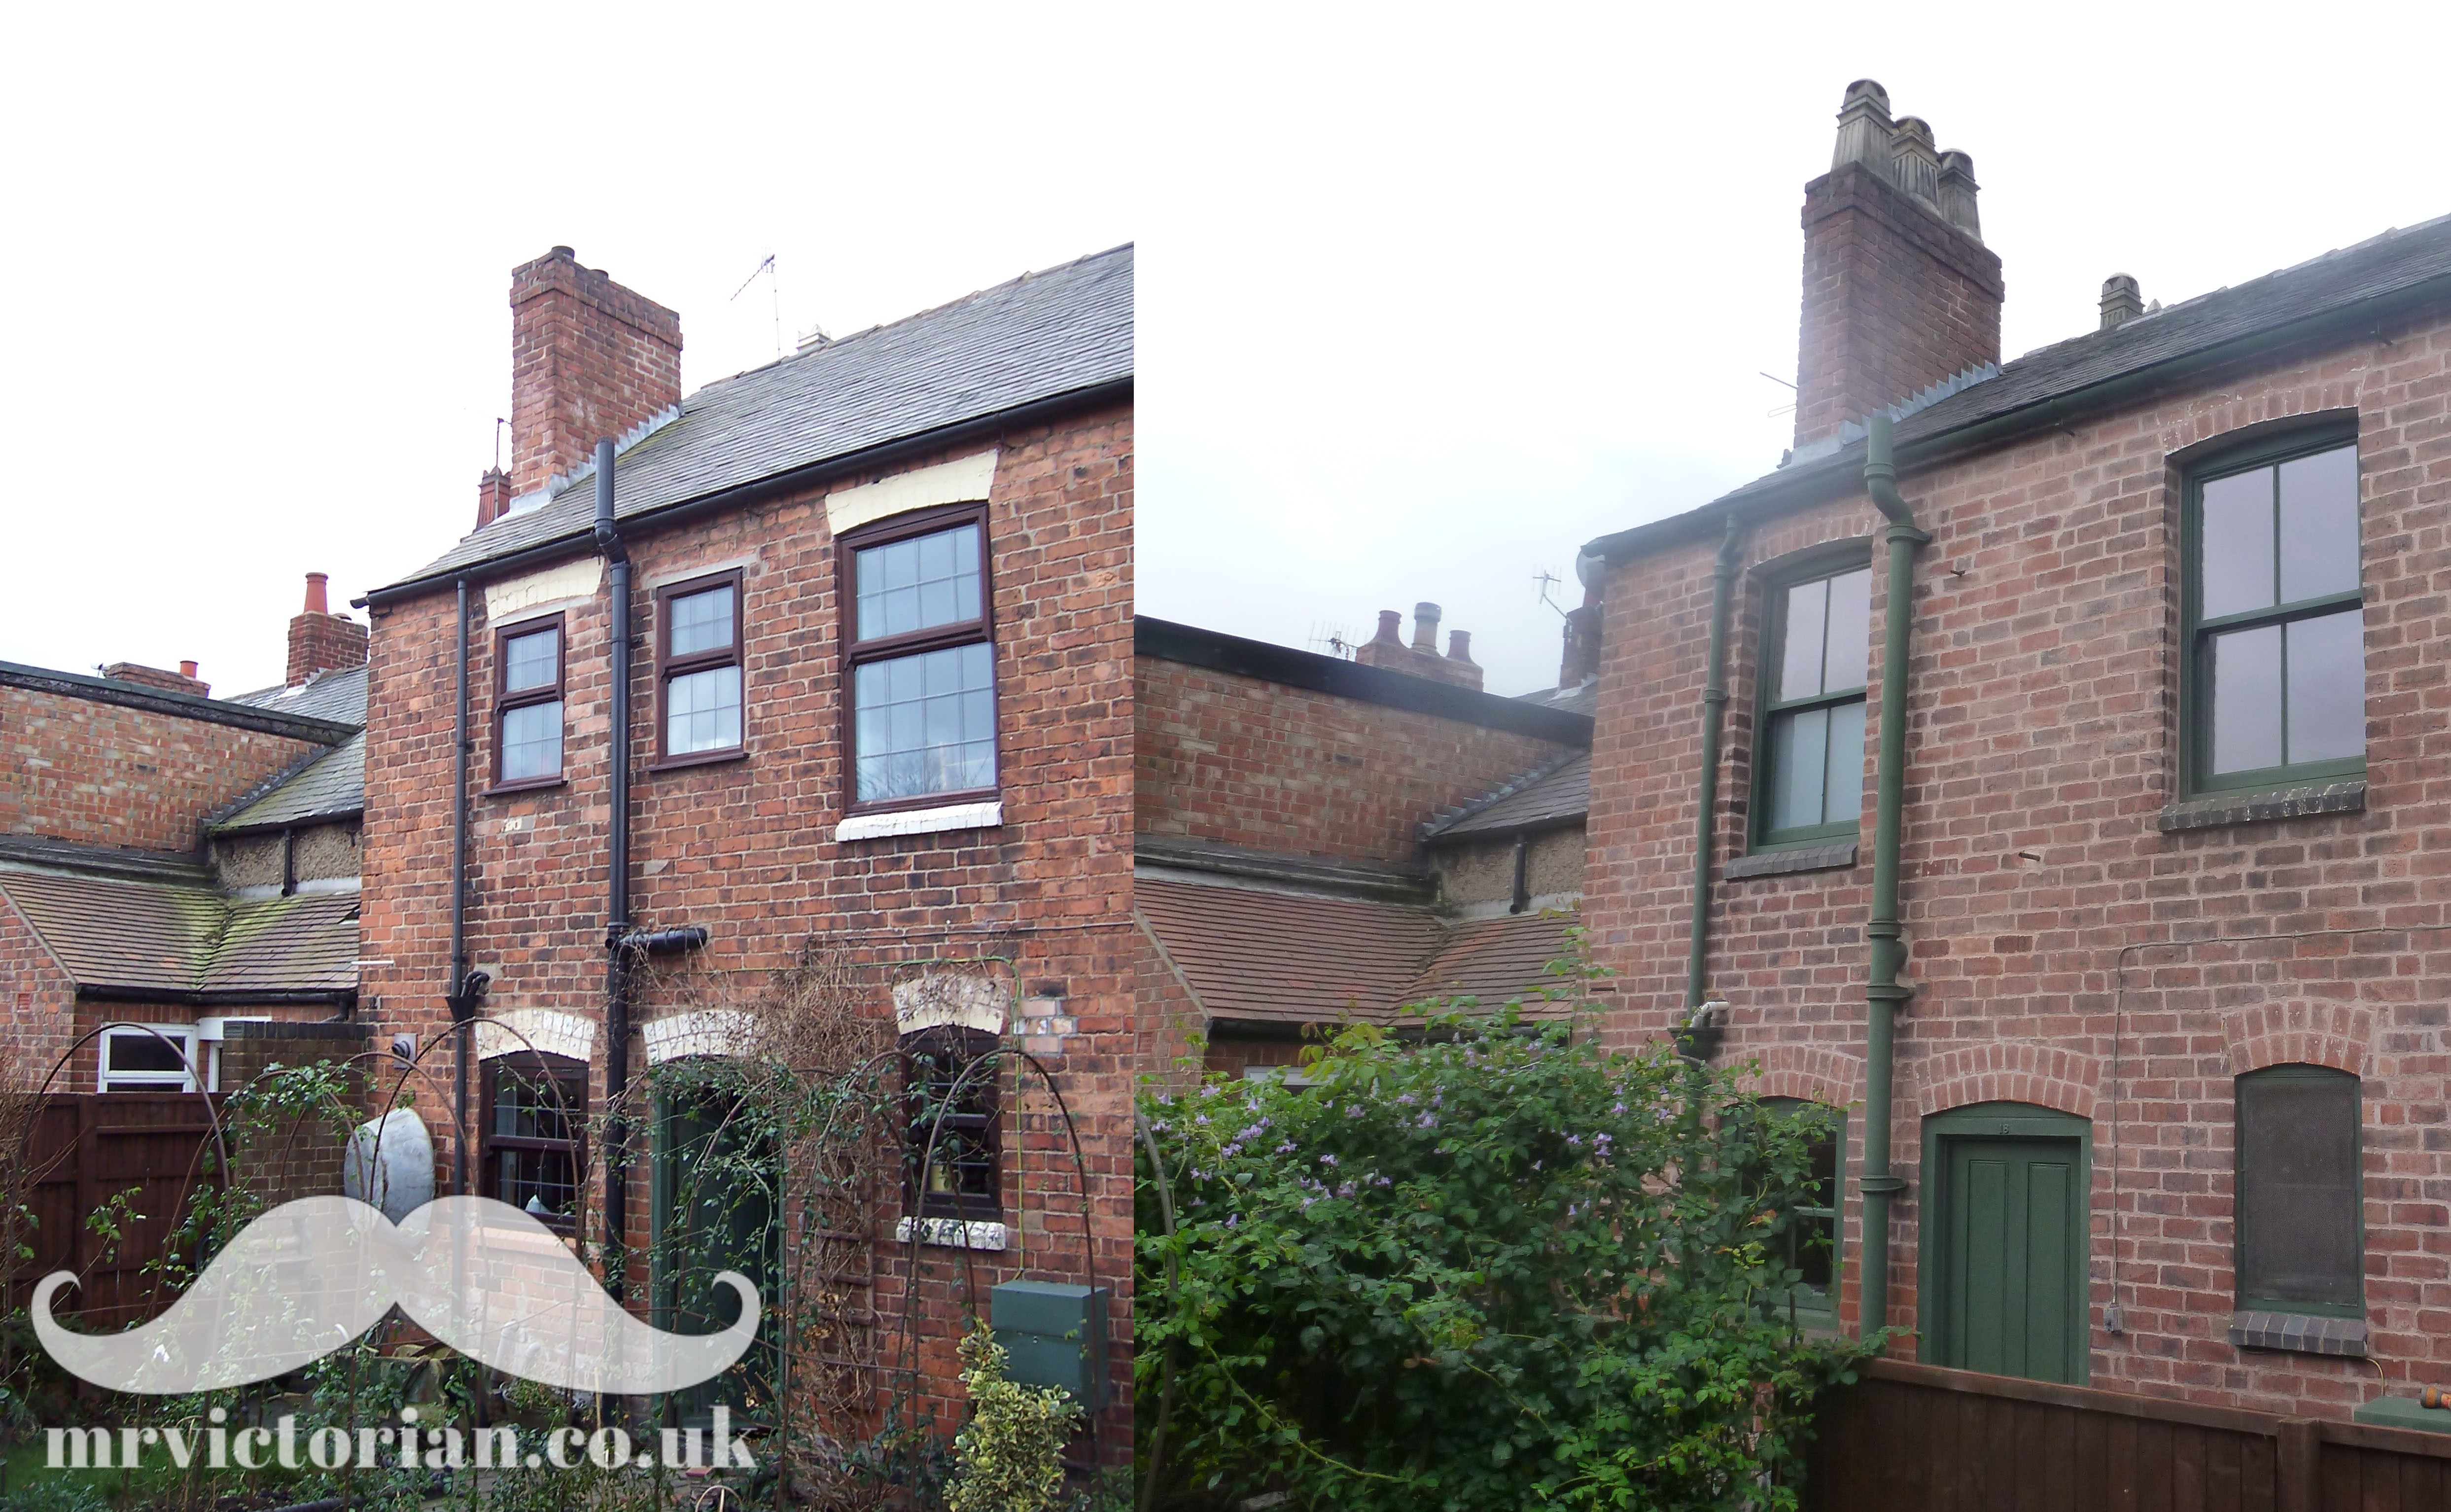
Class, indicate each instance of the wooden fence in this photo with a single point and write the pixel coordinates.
(1911, 1438)
(86, 1150)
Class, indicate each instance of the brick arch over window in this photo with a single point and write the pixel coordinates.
(2334, 1034)
(2011, 1072)
(1814, 1073)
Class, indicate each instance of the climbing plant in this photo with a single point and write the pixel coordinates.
(1477, 1262)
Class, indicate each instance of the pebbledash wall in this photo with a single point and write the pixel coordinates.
(2063, 950)
(746, 847)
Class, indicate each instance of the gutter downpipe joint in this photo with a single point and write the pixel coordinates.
(617, 921)
(1882, 992)
(1706, 801)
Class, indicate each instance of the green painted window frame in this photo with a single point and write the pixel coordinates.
(2300, 1073)
(2196, 633)
(1809, 1306)
(1834, 559)
(1993, 1120)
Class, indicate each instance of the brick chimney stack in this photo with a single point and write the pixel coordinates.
(588, 359)
(2123, 300)
(1421, 659)
(1899, 290)
(320, 640)
(182, 680)
(494, 496)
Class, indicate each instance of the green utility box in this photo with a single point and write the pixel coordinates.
(1055, 1335)
(2404, 1412)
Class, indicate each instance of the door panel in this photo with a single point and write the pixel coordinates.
(2015, 1258)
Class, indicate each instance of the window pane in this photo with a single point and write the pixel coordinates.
(2237, 545)
(1851, 631)
(702, 711)
(2327, 686)
(1843, 790)
(923, 723)
(531, 660)
(1799, 665)
(920, 583)
(702, 621)
(143, 1052)
(532, 742)
(538, 1104)
(2247, 699)
(1798, 745)
(2319, 524)
(2300, 1225)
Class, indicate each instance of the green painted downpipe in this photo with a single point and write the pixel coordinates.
(1882, 992)
(1714, 711)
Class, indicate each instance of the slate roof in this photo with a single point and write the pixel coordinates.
(1041, 336)
(2403, 261)
(333, 786)
(157, 937)
(339, 696)
(1550, 796)
(1269, 955)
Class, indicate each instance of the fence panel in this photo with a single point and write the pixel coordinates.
(1911, 1438)
(83, 1150)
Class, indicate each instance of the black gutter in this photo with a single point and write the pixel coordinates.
(741, 496)
(1168, 642)
(1840, 475)
(181, 705)
(607, 538)
(218, 997)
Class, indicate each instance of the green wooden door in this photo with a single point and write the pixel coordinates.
(2016, 1258)
(714, 1212)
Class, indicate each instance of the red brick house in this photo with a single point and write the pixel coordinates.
(876, 607)
(1318, 841)
(2161, 943)
(179, 863)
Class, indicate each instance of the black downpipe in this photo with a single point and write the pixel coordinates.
(457, 996)
(616, 920)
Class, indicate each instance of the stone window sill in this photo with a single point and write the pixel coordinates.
(921, 821)
(2259, 807)
(951, 1233)
(2299, 1333)
(1779, 863)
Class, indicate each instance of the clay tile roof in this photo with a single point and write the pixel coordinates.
(151, 936)
(1252, 953)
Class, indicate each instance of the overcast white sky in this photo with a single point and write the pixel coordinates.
(1425, 300)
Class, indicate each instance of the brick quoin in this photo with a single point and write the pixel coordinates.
(2063, 950)
(745, 847)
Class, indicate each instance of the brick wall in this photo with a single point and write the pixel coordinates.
(104, 773)
(1246, 762)
(303, 1155)
(746, 848)
(41, 1001)
(1896, 299)
(2063, 950)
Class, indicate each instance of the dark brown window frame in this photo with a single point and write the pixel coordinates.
(505, 700)
(858, 652)
(563, 1069)
(970, 1044)
(669, 666)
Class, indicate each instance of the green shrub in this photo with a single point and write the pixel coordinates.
(1009, 1457)
(1491, 1266)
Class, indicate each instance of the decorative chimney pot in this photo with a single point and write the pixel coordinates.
(2123, 300)
(1915, 167)
(1864, 129)
(1957, 192)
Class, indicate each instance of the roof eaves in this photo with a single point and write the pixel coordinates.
(182, 705)
(1840, 475)
(799, 475)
